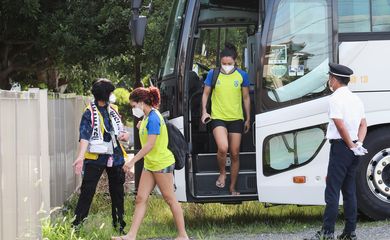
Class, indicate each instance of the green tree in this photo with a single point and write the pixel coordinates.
(73, 42)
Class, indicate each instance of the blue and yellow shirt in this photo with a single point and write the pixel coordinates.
(226, 98)
(160, 156)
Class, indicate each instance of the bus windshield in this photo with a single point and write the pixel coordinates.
(172, 38)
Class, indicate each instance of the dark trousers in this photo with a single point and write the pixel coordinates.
(341, 176)
(116, 179)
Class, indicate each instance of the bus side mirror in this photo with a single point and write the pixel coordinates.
(137, 24)
(137, 28)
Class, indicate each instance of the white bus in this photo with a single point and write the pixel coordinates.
(285, 46)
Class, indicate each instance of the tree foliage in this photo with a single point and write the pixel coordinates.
(73, 42)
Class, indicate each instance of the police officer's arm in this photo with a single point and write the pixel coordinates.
(247, 107)
(343, 132)
(362, 130)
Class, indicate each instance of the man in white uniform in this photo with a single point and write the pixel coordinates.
(346, 131)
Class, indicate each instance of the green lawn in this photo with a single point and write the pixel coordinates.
(202, 220)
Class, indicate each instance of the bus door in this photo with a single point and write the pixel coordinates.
(218, 24)
(297, 42)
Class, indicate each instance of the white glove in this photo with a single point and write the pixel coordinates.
(361, 148)
(357, 151)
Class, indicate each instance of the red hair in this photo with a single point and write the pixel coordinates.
(149, 96)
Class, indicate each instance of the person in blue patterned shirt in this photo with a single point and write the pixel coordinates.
(99, 150)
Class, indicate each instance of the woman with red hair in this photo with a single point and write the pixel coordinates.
(159, 161)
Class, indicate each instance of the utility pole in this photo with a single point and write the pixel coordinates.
(137, 27)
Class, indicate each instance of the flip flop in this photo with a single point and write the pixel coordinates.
(235, 193)
(219, 184)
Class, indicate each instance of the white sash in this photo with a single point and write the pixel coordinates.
(96, 142)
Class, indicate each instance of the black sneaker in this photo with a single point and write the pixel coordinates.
(347, 236)
(321, 235)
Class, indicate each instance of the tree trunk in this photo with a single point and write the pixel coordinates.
(5, 70)
(4, 80)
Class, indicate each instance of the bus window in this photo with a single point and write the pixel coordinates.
(297, 52)
(210, 43)
(290, 150)
(172, 40)
(381, 16)
(356, 16)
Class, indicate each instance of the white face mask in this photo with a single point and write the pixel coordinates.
(112, 98)
(138, 112)
(227, 68)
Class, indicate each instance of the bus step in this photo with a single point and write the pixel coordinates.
(207, 162)
(204, 185)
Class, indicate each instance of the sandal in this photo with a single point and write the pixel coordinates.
(235, 193)
(219, 184)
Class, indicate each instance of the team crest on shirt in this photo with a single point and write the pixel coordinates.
(236, 83)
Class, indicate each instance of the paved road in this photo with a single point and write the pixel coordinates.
(381, 232)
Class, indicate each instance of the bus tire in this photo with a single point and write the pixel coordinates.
(373, 176)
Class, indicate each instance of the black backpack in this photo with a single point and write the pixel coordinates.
(177, 144)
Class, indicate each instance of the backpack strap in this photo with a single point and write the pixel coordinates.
(216, 72)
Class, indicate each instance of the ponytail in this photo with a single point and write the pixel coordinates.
(149, 96)
(154, 97)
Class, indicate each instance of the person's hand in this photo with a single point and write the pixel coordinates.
(205, 118)
(358, 151)
(361, 148)
(78, 165)
(138, 124)
(128, 166)
(247, 126)
(123, 136)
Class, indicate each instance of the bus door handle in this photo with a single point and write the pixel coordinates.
(253, 133)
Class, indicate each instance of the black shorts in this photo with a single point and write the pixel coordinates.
(236, 126)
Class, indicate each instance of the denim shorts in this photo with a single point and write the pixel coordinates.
(168, 169)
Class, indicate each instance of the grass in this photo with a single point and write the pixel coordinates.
(203, 221)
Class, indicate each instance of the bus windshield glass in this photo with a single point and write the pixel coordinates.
(298, 50)
(172, 38)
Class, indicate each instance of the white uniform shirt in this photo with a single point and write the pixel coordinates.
(345, 105)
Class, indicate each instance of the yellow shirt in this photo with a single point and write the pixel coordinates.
(226, 98)
(160, 156)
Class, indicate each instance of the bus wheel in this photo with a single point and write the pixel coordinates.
(373, 176)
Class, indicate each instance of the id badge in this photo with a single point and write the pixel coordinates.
(110, 161)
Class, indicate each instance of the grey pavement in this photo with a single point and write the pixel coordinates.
(381, 232)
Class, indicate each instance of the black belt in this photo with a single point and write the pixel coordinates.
(339, 140)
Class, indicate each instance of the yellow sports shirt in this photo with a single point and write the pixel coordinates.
(226, 98)
(160, 156)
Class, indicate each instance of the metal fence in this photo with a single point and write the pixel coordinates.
(38, 140)
(64, 114)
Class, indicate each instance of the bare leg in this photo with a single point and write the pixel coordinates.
(221, 139)
(165, 183)
(145, 187)
(234, 147)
